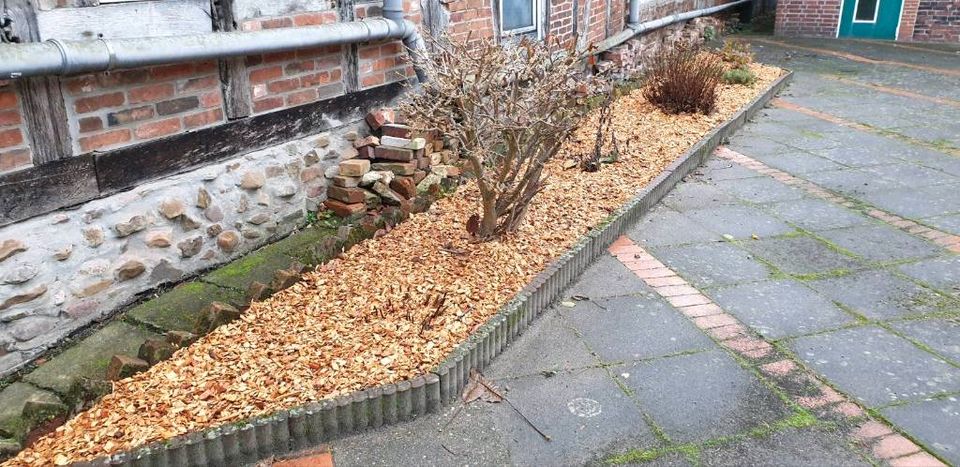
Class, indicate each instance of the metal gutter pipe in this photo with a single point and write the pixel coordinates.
(634, 29)
(67, 57)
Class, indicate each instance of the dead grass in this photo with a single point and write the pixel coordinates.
(358, 321)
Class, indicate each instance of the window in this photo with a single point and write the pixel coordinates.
(865, 11)
(518, 16)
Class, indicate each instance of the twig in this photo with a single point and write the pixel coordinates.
(515, 409)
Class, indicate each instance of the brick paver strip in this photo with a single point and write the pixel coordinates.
(945, 240)
(734, 336)
(896, 91)
(777, 102)
(859, 58)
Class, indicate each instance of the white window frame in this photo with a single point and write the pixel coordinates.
(876, 10)
(537, 20)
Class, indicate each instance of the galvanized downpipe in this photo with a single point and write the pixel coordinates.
(634, 27)
(68, 57)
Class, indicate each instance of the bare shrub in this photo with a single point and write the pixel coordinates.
(684, 80)
(511, 107)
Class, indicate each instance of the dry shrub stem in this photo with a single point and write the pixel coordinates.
(684, 80)
(511, 107)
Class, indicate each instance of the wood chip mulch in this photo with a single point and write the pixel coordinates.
(391, 308)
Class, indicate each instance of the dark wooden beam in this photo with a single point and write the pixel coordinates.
(44, 111)
(233, 71)
(350, 57)
(44, 188)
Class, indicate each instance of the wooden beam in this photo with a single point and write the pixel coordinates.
(350, 57)
(435, 17)
(234, 80)
(41, 98)
(44, 188)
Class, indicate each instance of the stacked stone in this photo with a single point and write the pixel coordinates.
(630, 58)
(394, 164)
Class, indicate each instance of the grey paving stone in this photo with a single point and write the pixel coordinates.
(810, 139)
(696, 195)
(722, 169)
(472, 437)
(585, 414)
(940, 273)
(757, 139)
(880, 295)
(913, 175)
(815, 214)
(799, 162)
(607, 277)
(707, 265)
(634, 327)
(800, 255)
(536, 350)
(664, 226)
(881, 243)
(949, 224)
(739, 221)
(701, 396)
(760, 190)
(876, 366)
(791, 447)
(935, 423)
(853, 182)
(940, 334)
(856, 155)
(939, 161)
(916, 203)
(778, 309)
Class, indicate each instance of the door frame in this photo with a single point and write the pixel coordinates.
(876, 13)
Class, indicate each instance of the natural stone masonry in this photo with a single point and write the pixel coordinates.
(946, 240)
(801, 384)
(64, 270)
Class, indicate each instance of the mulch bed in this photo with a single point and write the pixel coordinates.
(391, 308)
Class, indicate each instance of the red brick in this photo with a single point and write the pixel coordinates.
(280, 57)
(274, 23)
(89, 124)
(920, 459)
(125, 116)
(284, 85)
(697, 311)
(102, 140)
(373, 80)
(10, 138)
(314, 18)
(640, 265)
(781, 368)
(176, 71)
(94, 103)
(314, 460)
(151, 93)
(205, 118)
(316, 79)
(848, 409)
(676, 290)
(346, 195)
(870, 430)
(10, 118)
(14, 159)
(301, 97)
(269, 103)
(393, 154)
(158, 129)
(663, 281)
(654, 273)
(688, 300)
(746, 343)
(211, 99)
(893, 446)
(263, 75)
(198, 84)
(343, 209)
(8, 100)
(715, 321)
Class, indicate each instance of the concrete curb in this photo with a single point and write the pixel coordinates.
(295, 429)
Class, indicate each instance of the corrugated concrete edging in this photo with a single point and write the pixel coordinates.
(315, 423)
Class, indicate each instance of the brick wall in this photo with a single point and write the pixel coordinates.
(115, 109)
(471, 19)
(383, 63)
(937, 21)
(907, 20)
(14, 147)
(561, 21)
(808, 18)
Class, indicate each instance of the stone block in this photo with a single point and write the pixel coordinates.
(346, 182)
(347, 195)
(379, 118)
(396, 130)
(124, 366)
(398, 168)
(181, 338)
(393, 154)
(367, 141)
(284, 278)
(404, 186)
(412, 144)
(354, 167)
(343, 209)
(215, 315)
(154, 351)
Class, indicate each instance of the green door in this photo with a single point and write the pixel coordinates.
(870, 19)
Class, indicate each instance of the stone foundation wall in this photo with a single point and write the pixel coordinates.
(61, 271)
(629, 59)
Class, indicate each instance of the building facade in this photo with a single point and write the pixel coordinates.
(900, 20)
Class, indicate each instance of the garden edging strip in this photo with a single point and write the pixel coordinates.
(301, 427)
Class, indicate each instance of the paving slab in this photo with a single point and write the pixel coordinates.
(535, 352)
(777, 309)
(917, 203)
(790, 447)
(760, 190)
(801, 255)
(12, 400)
(940, 334)
(663, 226)
(940, 273)
(607, 277)
(853, 182)
(721, 169)
(881, 295)
(881, 243)
(799, 162)
(855, 154)
(949, 223)
(739, 221)
(935, 423)
(628, 328)
(914, 175)
(701, 396)
(89, 357)
(585, 414)
(692, 194)
(178, 309)
(876, 366)
(713, 264)
(815, 214)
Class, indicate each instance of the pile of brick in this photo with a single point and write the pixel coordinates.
(394, 165)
